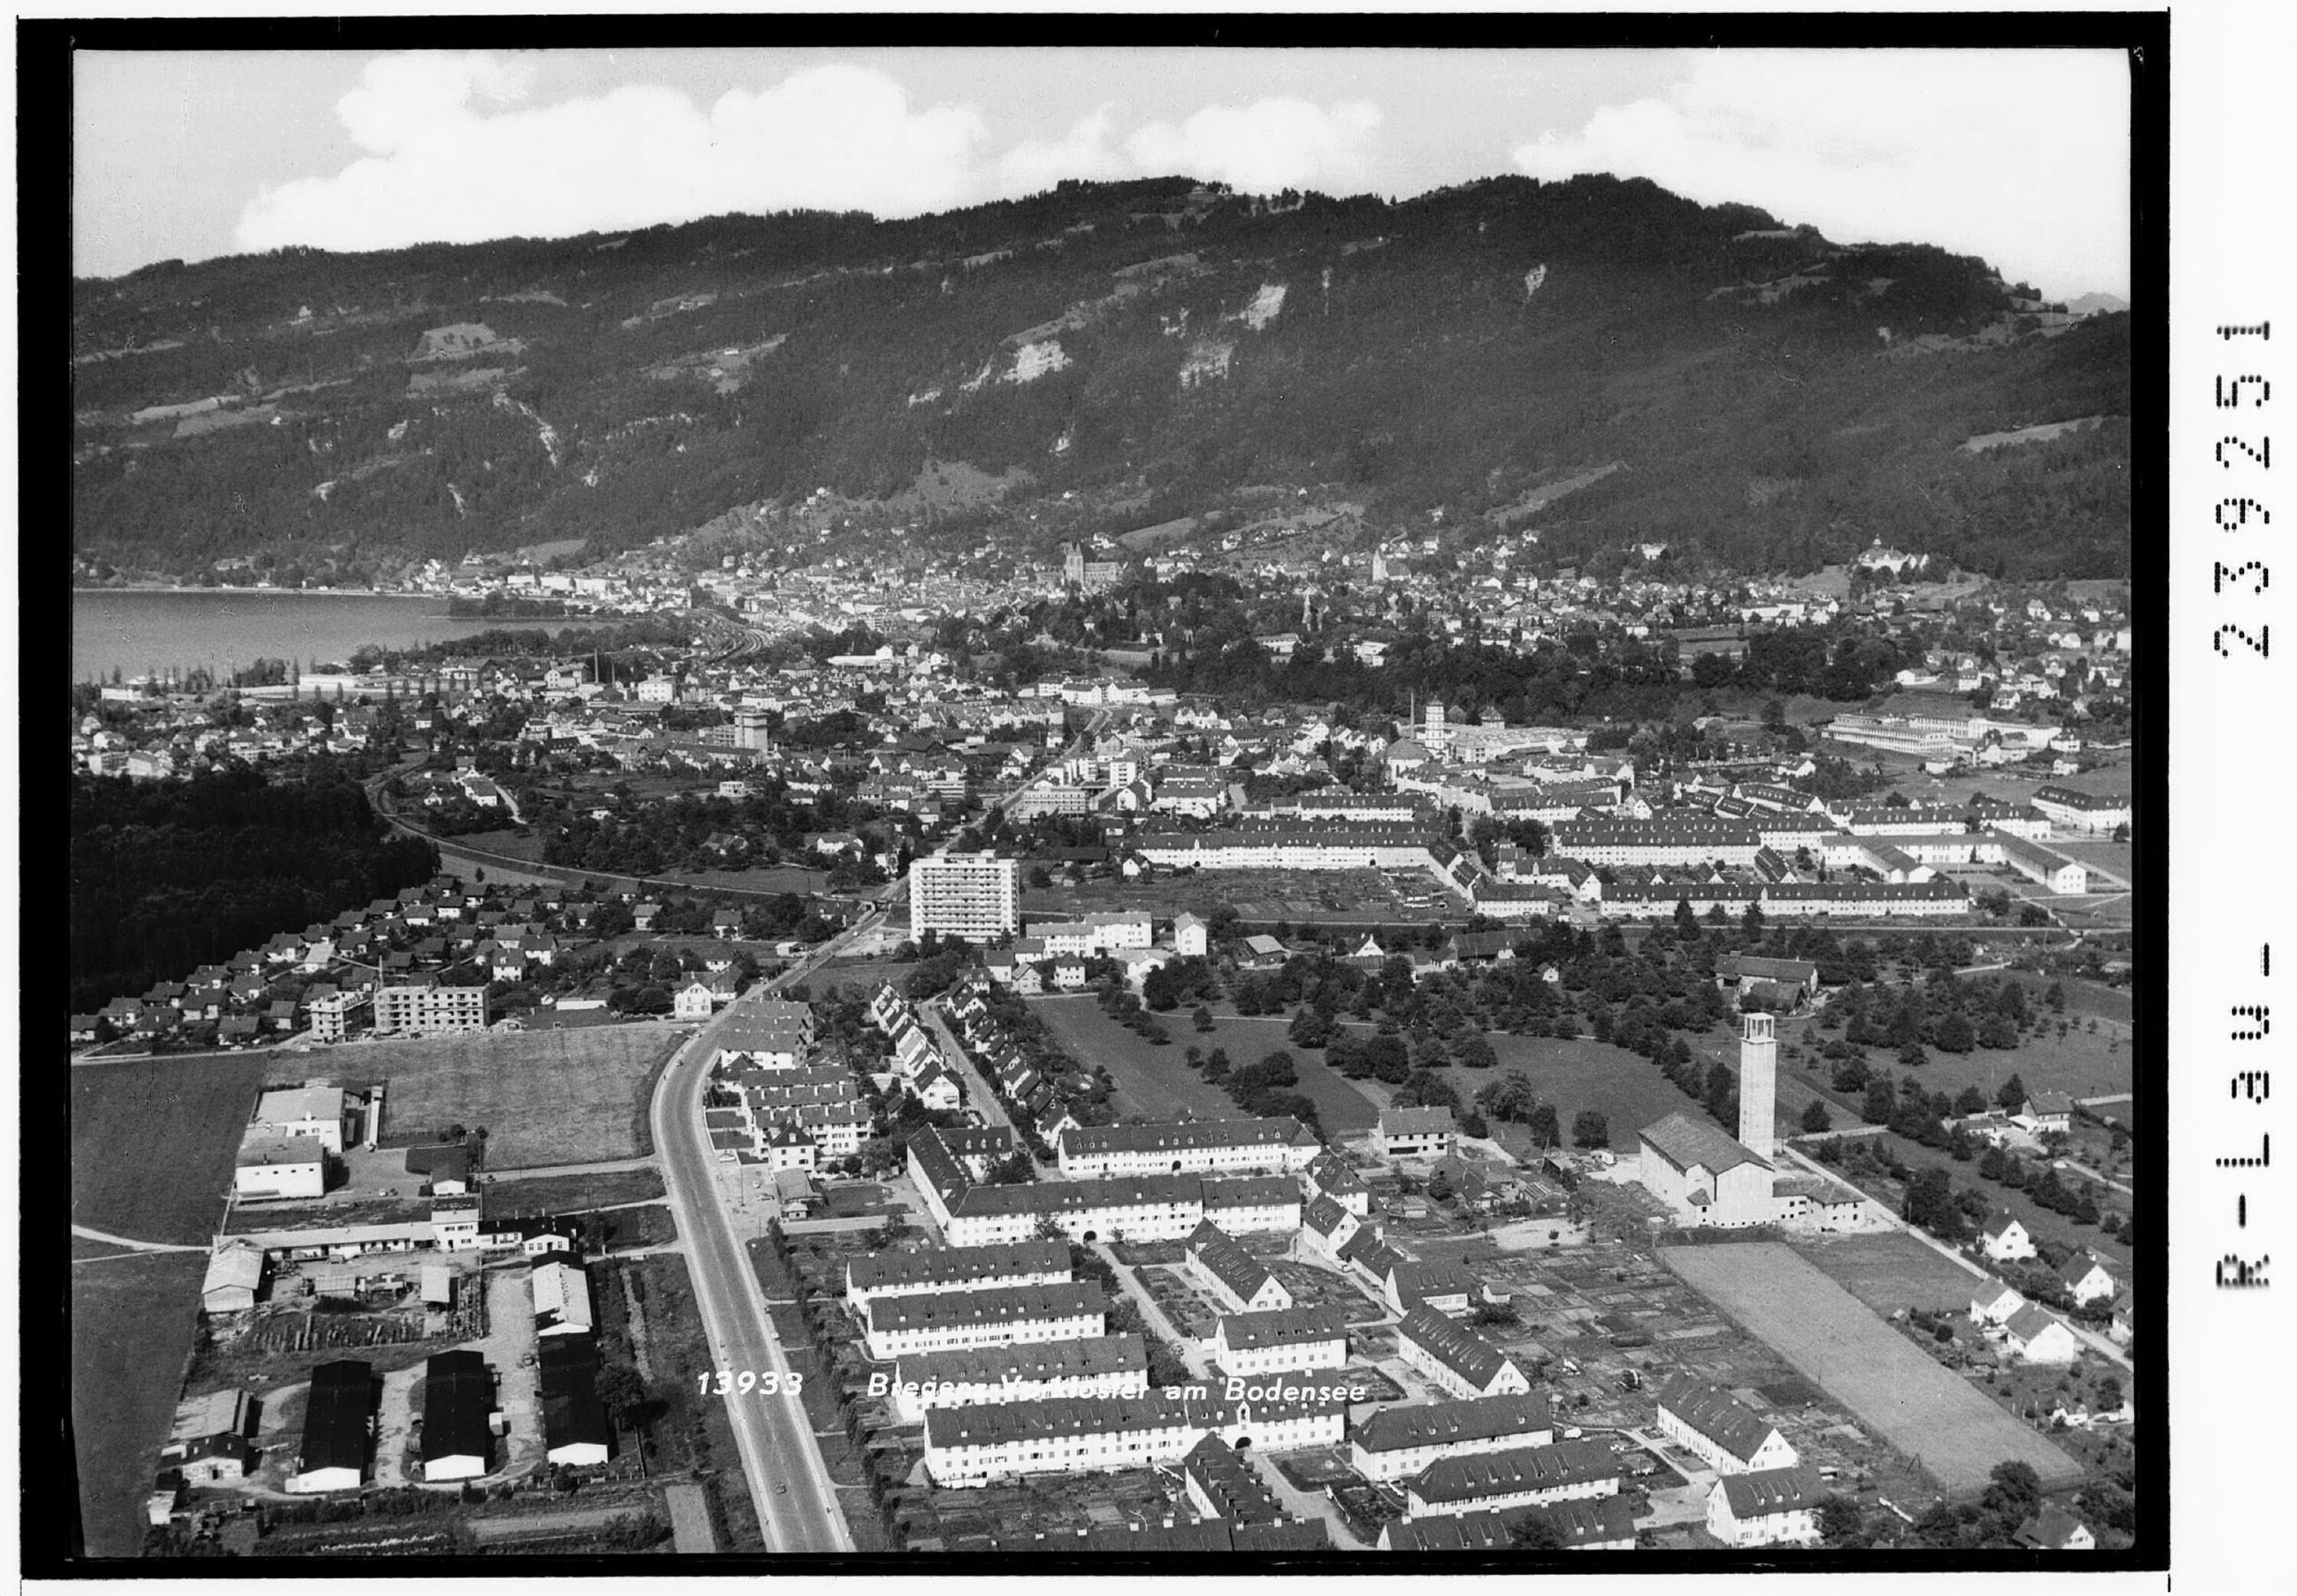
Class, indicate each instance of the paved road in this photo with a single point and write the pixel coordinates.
(981, 1098)
(135, 1246)
(796, 1498)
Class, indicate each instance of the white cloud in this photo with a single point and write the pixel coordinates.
(442, 168)
(1265, 146)
(2019, 157)
(1033, 165)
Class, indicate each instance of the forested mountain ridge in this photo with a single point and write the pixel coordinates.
(1769, 399)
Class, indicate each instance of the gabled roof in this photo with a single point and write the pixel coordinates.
(1768, 1490)
(1521, 1468)
(335, 1414)
(2030, 1321)
(457, 1392)
(1475, 1419)
(2050, 1529)
(1227, 1262)
(955, 1265)
(1685, 1142)
(1455, 1345)
(1281, 1327)
(1006, 1304)
(1712, 1412)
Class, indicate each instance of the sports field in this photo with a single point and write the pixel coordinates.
(545, 1097)
(152, 1143)
(1830, 1337)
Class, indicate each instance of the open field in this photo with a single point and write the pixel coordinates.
(573, 1193)
(1890, 1270)
(1149, 1081)
(1833, 1339)
(507, 840)
(1341, 1107)
(779, 878)
(152, 1144)
(1628, 1091)
(548, 1096)
(132, 1321)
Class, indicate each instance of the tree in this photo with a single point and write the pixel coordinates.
(1815, 1121)
(1476, 1053)
(2013, 1095)
(2015, 1492)
(1591, 1129)
(1201, 1017)
(1536, 1532)
(623, 1390)
(1840, 1522)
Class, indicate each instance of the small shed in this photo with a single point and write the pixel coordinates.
(437, 1286)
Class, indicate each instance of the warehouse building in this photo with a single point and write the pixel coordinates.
(338, 1422)
(457, 1401)
(575, 1428)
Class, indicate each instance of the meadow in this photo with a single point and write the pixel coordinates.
(152, 1143)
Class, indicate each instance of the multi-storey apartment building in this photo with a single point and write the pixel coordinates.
(970, 896)
(955, 1268)
(1282, 1144)
(1281, 1340)
(1397, 1443)
(944, 1320)
(971, 1446)
(971, 1376)
(427, 1009)
(1526, 1476)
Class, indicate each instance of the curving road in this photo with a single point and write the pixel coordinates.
(796, 1501)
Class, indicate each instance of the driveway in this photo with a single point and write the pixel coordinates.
(394, 1427)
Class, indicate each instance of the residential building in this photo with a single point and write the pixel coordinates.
(971, 1446)
(2055, 1529)
(948, 1268)
(1281, 1145)
(942, 1320)
(1280, 1340)
(2088, 1277)
(969, 1377)
(1706, 1421)
(971, 896)
(1416, 1132)
(2039, 1337)
(1994, 1302)
(1234, 1276)
(1398, 1443)
(1461, 1362)
(2004, 1238)
(1581, 1524)
(1766, 1507)
(427, 1009)
(1523, 1476)
(1221, 1485)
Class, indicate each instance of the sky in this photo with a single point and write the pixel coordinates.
(2018, 157)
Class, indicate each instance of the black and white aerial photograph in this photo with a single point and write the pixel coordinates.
(1319, 807)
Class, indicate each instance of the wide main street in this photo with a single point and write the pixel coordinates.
(796, 1501)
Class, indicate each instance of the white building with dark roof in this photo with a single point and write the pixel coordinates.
(1707, 1422)
(955, 1268)
(1766, 1507)
(975, 1447)
(944, 1320)
(1280, 1340)
(970, 1377)
(1398, 1443)
(1234, 1276)
(1416, 1132)
(1278, 1145)
(1522, 1476)
(1458, 1360)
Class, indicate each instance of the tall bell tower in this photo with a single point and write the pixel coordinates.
(1758, 1084)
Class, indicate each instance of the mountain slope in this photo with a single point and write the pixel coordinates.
(1769, 398)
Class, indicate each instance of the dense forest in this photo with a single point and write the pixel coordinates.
(166, 877)
(1774, 401)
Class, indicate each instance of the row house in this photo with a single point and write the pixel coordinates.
(1458, 1361)
(1235, 1277)
(1767, 1507)
(944, 1269)
(1281, 1145)
(1092, 1366)
(1525, 1477)
(942, 1321)
(1706, 1421)
(1280, 1340)
(973, 1446)
(1579, 1524)
(1402, 1443)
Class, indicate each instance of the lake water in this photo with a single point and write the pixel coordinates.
(145, 631)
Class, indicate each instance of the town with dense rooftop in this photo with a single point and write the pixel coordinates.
(835, 1090)
(1140, 870)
